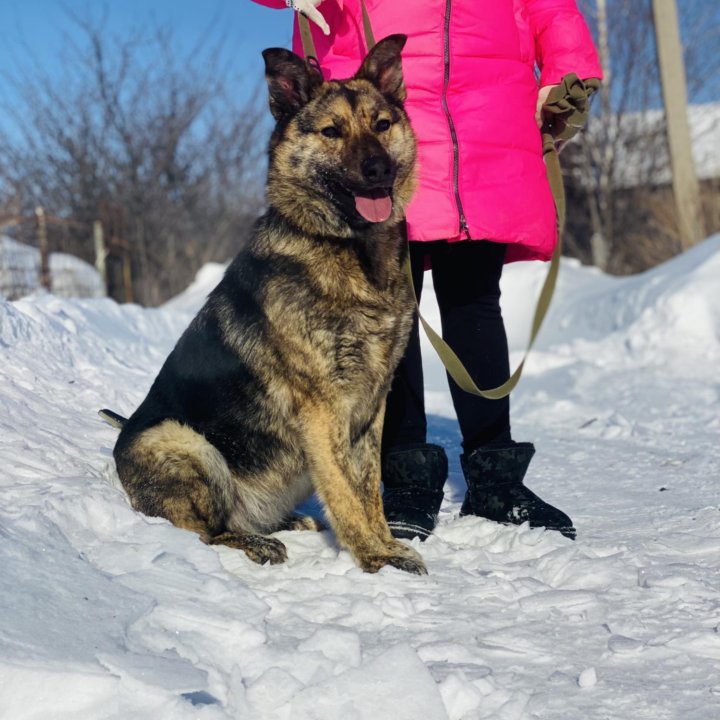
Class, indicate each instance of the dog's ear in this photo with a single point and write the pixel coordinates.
(383, 67)
(291, 81)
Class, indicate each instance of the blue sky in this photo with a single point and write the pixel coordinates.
(42, 26)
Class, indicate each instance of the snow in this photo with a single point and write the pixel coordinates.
(69, 275)
(108, 615)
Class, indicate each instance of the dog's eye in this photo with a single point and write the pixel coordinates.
(382, 125)
(330, 132)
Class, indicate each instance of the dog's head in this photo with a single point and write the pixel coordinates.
(342, 154)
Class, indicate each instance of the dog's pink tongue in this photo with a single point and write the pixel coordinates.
(374, 209)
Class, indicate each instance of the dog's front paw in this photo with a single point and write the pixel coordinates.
(408, 564)
(259, 548)
(396, 547)
(411, 563)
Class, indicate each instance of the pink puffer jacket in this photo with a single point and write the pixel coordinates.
(472, 93)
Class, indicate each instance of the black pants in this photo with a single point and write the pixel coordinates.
(466, 276)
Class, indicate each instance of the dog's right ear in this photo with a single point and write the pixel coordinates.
(383, 67)
(291, 81)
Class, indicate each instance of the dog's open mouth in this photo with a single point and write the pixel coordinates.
(374, 205)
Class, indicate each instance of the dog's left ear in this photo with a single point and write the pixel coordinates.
(291, 81)
(383, 67)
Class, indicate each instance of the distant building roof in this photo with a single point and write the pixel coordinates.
(643, 154)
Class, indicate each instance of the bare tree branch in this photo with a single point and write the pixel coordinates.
(148, 139)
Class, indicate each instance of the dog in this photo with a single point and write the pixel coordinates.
(277, 388)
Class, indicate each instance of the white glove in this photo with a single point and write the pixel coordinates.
(309, 10)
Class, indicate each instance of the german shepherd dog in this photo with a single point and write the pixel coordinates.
(277, 388)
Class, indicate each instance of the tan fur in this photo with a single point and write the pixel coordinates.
(294, 157)
(278, 386)
(172, 450)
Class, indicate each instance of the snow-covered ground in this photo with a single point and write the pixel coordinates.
(105, 614)
(69, 275)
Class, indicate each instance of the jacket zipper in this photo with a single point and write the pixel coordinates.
(451, 124)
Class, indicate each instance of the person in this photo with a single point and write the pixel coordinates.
(483, 200)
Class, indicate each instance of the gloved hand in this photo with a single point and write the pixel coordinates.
(309, 9)
(567, 105)
(542, 98)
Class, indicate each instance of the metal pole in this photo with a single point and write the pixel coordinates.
(672, 72)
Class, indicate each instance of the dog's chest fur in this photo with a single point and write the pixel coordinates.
(337, 315)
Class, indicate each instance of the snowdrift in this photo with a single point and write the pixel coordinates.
(109, 614)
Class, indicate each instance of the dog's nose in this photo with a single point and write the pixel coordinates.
(377, 169)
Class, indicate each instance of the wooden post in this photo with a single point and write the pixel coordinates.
(672, 73)
(601, 209)
(127, 276)
(127, 258)
(100, 253)
(45, 279)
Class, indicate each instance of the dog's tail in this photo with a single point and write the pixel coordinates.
(112, 418)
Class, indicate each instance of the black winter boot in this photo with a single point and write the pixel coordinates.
(494, 477)
(413, 478)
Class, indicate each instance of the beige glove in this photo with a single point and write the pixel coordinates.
(309, 9)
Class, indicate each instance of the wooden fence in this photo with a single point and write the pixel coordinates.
(24, 268)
